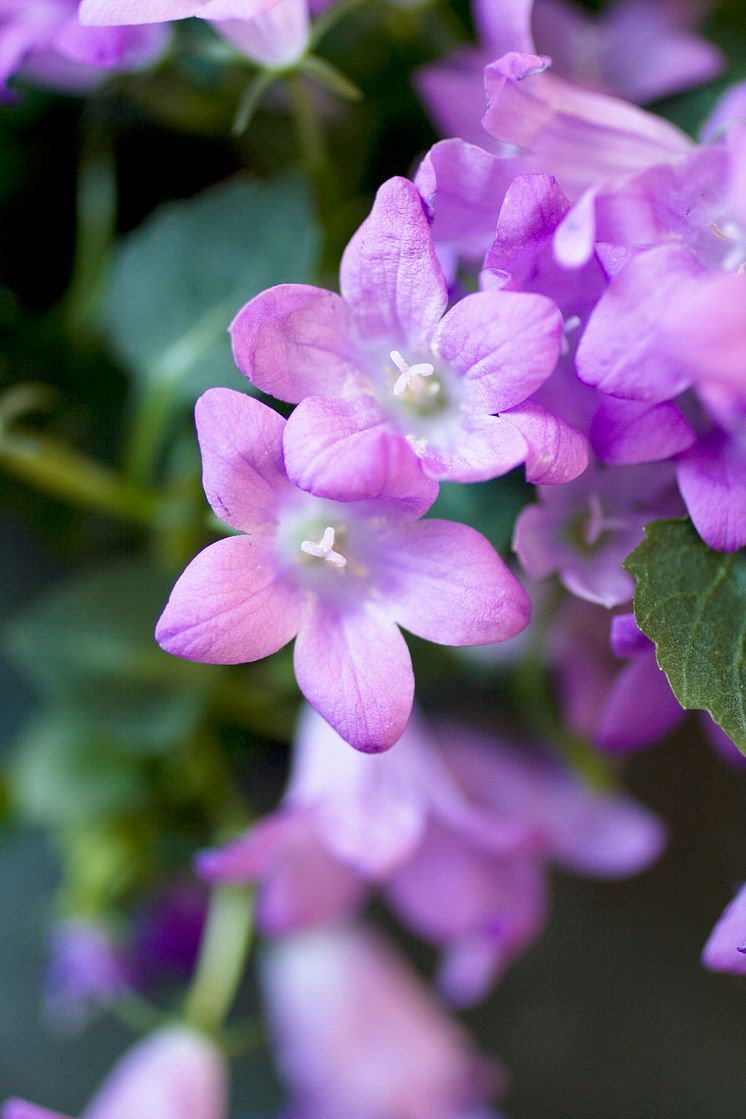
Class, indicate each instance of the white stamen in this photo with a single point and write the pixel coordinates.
(407, 373)
(571, 323)
(324, 549)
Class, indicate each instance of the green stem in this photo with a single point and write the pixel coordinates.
(323, 25)
(153, 414)
(225, 946)
(310, 135)
(64, 473)
(96, 227)
(251, 99)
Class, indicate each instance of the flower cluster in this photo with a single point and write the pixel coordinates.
(560, 289)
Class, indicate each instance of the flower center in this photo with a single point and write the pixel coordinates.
(324, 549)
(409, 380)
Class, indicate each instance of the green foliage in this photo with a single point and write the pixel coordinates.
(179, 279)
(88, 645)
(691, 602)
(63, 775)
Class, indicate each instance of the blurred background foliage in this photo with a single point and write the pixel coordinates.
(134, 225)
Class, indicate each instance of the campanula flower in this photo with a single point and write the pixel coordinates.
(173, 1074)
(725, 949)
(337, 576)
(356, 1033)
(382, 366)
(44, 42)
(274, 33)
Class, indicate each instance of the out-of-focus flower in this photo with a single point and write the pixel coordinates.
(274, 33)
(87, 969)
(357, 1034)
(382, 370)
(168, 932)
(456, 830)
(338, 576)
(613, 693)
(585, 530)
(635, 50)
(725, 949)
(44, 41)
(173, 1074)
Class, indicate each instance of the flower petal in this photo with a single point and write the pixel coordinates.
(558, 452)
(722, 952)
(21, 1109)
(506, 345)
(230, 605)
(390, 274)
(640, 708)
(354, 668)
(712, 480)
(487, 447)
(448, 584)
(243, 472)
(292, 341)
(342, 449)
(625, 432)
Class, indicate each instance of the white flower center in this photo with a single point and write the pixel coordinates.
(408, 374)
(324, 549)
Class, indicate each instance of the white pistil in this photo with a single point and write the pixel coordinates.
(324, 549)
(571, 323)
(408, 373)
(598, 523)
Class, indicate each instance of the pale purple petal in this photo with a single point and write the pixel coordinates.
(621, 350)
(173, 1074)
(301, 883)
(230, 605)
(625, 432)
(557, 451)
(452, 888)
(486, 447)
(111, 12)
(712, 480)
(292, 341)
(639, 709)
(453, 94)
(253, 855)
(731, 108)
(724, 747)
(724, 951)
(505, 26)
(506, 345)
(354, 668)
(627, 639)
(107, 48)
(647, 51)
(342, 450)
(448, 584)
(600, 578)
(575, 236)
(390, 274)
(582, 137)
(470, 966)
(463, 187)
(243, 472)
(21, 1109)
(535, 541)
(706, 329)
(275, 37)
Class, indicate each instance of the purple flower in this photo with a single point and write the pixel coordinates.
(357, 1034)
(456, 874)
(614, 694)
(45, 42)
(87, 970)
(635, 50)
(585, 139)
(456, 830)
(725, 949)
(585, 530)
(174, 1074)
(337, 576)
(274, 33)
(381, 370)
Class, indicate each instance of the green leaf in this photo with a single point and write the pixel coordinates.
(63, 775)
(89, 645)
(691, 602)
(179, 279)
